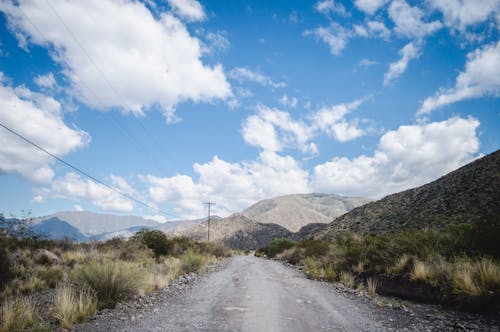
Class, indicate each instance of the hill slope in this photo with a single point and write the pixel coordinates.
(466, 195)
(295, 211)
(237, 231)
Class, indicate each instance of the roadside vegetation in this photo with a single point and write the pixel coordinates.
(458, 266)
(44, 283)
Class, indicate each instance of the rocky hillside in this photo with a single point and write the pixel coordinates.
(467, 195)
(237, 232)
(295, 211)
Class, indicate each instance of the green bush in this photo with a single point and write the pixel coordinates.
(276, 246)
(155, 240)
(192, 261)
(111, 281)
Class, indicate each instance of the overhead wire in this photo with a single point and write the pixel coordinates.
(94, 179)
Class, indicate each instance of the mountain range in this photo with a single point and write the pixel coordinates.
(470, 194)
(296, 211)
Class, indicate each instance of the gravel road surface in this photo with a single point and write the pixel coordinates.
(255, 294)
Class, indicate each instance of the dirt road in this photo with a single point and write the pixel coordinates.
(254, 294)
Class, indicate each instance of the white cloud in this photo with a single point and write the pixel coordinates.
(367, 63)
(38, 199)
(407, 157)
(331, 120)
(273, 130)
(45, 81)
(379, 30)
(409, 20)
(78, 207)
(217, 41)
(327, 7)
(369, 6)
(257, 132)
(409, 52)
(188, 9)
(158, 218)
(286, 101)
(481, 77)
(242, 74)
(233, 186)
(38, 118)
(334, 35)
(459, 14)
(72, 186)
(115, 53)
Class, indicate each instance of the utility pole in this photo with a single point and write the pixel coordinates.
(209, 204)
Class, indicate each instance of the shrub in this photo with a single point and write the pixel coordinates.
(347, 279)
(6, 271)
(314, 248)
(330, 274)
(18, 314)
(312, 269)
(155, 240)
(73, 306)
(192, 262)
(112, 281)
(216, 249)
(277, 246)
(50, 275)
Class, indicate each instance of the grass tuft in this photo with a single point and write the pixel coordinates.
(112, 281)
(347, 279)
(73, 306)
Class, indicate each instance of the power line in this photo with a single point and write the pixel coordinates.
(99, 70)
(121, 128)
(130, 198)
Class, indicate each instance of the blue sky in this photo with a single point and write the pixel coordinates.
(178, 102)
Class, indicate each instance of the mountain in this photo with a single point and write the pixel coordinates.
(467, 195)
(84, 226)
(95, 225)
(237, 232)
(295, 211)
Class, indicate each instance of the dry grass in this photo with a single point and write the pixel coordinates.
(476, 278)
(330, 273)
(192, 261)
(402, 265)
(73, 306)
(18, 314)
(420, 271)
(371, 286)
(347, 279)
(112, 281)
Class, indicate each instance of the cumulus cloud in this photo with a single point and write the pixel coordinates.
(73, 186)
(481, 77)
(111, 62)
(409, 22)
(331, 120)
(370, 6)
(327, 7)
(188, 9)
(407, 157)
(38, 118)
(459, 14)
(273, 130)
(334, 35)
(234, 186)
(45, 81)
(409, 52)
(243, 74)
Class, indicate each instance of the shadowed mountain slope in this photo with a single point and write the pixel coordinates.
(469, 194)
